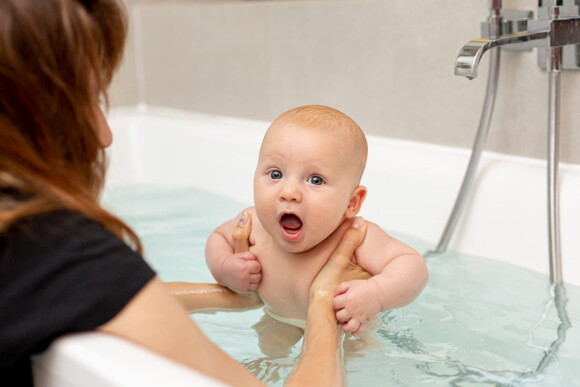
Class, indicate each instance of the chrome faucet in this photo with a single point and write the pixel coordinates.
(558, 26)
(556, 34)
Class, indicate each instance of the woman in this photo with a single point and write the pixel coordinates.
(67, 265)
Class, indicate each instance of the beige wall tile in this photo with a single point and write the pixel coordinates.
(209, 58)
(125, 87)
(388, 64)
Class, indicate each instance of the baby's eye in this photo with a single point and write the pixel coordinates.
(316, 180)
(275, 174)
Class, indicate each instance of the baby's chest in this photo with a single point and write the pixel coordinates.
(288, 269)
(286, 279)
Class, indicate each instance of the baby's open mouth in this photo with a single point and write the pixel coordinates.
(290, 226)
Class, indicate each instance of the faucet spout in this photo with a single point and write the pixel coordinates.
(469, 56)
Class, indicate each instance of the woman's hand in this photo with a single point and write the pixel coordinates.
(197, 297)
(339, 267)
(321, 360)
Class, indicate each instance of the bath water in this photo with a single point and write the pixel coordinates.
(479, 322)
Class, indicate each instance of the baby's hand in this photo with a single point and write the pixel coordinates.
(241, 272)
(355, 302)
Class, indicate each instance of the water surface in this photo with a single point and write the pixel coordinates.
(478, 322)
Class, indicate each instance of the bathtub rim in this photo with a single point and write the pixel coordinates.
(53, 367)
(455, 160)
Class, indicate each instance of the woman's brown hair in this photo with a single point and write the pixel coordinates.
(56, 58)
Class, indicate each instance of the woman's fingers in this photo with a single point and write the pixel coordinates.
(339, 268)
(351, 239)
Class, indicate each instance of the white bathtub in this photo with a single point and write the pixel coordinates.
(412, 187)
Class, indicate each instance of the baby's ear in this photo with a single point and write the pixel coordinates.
(358, 197)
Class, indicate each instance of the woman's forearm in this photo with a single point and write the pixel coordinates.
(171, 333)
(321, 359)
(199, 297)
(321, 363)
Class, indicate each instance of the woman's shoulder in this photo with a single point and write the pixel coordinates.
(64, 235)
(71, 244)
(53, 224)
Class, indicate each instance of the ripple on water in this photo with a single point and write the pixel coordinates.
(478, 321)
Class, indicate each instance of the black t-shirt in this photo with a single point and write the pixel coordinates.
(60, 273)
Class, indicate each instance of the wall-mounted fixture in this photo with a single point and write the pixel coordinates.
(556, 35)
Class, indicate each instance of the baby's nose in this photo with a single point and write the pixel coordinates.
(290, 192)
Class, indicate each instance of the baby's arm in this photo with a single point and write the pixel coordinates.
(399, 275)
(240, 272)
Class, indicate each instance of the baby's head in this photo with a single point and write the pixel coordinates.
(307, 179)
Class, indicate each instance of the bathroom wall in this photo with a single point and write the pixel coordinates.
(388, 64)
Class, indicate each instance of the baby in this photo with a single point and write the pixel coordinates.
(307, 193)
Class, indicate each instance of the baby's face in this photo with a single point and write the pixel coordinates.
(303, 184)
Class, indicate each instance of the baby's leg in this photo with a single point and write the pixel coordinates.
(276, 338)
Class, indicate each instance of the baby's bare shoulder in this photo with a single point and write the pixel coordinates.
(379, 248)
